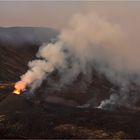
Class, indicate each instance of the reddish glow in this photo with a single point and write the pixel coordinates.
(19, 86)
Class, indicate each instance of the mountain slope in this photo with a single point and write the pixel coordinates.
(18, 45)
(53, 112)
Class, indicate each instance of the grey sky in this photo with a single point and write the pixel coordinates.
(57, 14)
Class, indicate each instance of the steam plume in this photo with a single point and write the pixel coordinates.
(88, 42)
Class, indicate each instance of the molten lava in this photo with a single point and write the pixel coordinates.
(16, 92)
(19, 87)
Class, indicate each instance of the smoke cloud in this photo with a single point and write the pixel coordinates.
(88, 42)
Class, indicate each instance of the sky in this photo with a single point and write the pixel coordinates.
(57, 14)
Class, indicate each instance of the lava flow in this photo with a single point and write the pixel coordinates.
(19, 87)
(16, 92)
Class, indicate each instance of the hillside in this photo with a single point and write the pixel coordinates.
(53, 112)
(18, 46)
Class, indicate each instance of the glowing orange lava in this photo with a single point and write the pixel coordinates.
(19, 87)
(16, 92)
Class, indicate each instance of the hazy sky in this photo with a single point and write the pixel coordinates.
(57, 13)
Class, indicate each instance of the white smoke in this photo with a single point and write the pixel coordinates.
(88, 42)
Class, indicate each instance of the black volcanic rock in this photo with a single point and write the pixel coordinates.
(23, 118)
(53, 113)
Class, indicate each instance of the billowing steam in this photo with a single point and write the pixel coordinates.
(88, 42)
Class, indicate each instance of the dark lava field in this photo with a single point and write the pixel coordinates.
(51, 112)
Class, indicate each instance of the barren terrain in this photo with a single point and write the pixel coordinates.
(51, 112)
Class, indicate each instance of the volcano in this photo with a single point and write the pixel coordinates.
(52, 112)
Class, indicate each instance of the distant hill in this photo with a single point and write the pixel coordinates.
(20, 36)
